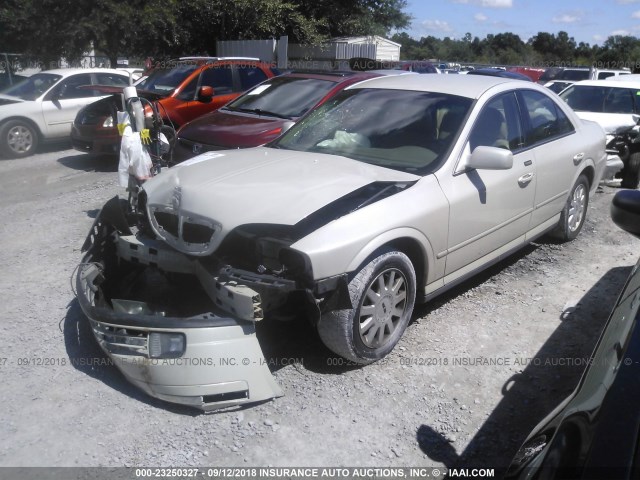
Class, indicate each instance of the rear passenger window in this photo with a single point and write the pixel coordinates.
(111, 79)
(250, 76)
(220, 78)
(545, 119)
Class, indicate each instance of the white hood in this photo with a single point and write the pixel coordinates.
(610, 122)
(262, 185)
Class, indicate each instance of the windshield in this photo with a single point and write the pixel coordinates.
(165, 80)
(599, 99)
(287, 97)
(33, 87)
(404, 130)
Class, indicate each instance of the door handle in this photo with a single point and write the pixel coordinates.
(577, 158)
(525, 179)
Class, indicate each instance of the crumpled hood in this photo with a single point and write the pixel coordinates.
(610, 122)
(232, 130)
(261, 185)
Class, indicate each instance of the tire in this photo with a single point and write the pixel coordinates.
(371, 329)
(574, 212)
(18, 139)
(631, 172)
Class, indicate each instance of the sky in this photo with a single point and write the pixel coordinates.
(589, 21)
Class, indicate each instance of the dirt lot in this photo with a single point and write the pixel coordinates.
(475, 371)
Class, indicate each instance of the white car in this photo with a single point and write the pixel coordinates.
(384, 196)
(615, 106)
(43, 106)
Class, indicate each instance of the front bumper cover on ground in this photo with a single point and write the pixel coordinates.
(221, 365)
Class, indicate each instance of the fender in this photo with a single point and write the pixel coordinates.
(428, 267)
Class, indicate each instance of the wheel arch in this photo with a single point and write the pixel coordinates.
(590, 173)
(26, 120)
(406, 240)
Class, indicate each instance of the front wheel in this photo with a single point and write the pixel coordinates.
(574, 212)
(18, 139)
(631, 172)
(382, 294)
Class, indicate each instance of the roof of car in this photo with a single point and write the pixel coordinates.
(462, 85)
(72, 71)
(610, 83)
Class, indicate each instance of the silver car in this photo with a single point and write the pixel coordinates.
(383, 197)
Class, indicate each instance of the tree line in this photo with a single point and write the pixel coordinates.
(53, 29)
(542, 50)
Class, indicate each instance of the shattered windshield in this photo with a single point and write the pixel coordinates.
(164, 80)
(32, 87)
(404, 130)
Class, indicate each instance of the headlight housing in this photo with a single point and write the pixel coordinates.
(108, 122)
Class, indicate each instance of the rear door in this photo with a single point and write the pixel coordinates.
(558, 152)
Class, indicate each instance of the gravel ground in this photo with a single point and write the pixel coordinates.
(473, 374)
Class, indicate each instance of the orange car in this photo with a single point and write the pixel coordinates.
(185, 89)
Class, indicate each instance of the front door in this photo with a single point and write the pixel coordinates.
(490, 210)
(62, 103)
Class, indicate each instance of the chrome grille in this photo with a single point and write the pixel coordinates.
(121, 340)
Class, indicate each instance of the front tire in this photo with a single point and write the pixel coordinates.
(631, 172)
(383, 294)
(574, 212)
(18, 139)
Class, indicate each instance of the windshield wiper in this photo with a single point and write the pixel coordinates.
(259, 111)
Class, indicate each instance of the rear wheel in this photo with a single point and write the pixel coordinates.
(631, 172)
(383, 294)
(574, 212)
(18, 139)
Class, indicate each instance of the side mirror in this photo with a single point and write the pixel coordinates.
(490, 158)
(205, 93)
(625, 211)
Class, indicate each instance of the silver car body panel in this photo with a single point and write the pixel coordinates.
(455, 220)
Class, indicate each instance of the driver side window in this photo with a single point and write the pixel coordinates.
(498, 125)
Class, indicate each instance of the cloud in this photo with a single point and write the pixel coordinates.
(636, 14)
(479, 17)
(598, 38)
(565, 18)
(487, 3)
(622, 33)
(627, 2)
(437, 26)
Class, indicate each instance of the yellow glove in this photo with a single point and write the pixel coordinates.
(145, 136)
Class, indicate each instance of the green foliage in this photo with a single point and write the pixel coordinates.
(542, 50)
(54, 29)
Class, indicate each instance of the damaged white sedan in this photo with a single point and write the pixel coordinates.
(388, 194)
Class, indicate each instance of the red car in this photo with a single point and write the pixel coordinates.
(184, 89)
(259, 115)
